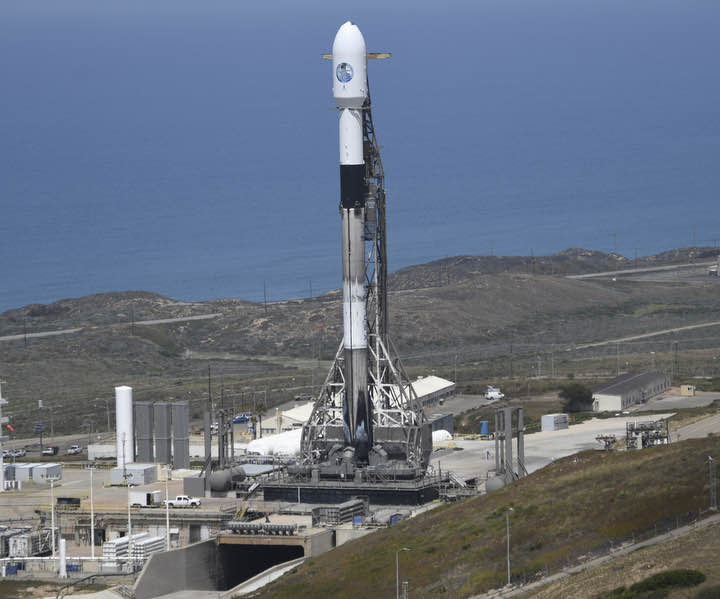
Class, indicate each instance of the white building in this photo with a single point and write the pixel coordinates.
(624, 391)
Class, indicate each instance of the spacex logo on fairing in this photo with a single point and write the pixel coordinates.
(344, 72)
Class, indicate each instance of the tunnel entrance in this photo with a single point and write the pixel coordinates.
(241, 562)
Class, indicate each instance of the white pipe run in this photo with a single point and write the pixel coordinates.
(124, 426)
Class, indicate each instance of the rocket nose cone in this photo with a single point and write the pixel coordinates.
(348, 39)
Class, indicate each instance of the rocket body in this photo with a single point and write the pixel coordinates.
(350, 91)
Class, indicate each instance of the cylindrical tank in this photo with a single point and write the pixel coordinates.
(484, 428)
(220, 480)
(124, 426)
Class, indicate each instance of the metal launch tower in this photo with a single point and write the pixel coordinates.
(367, 423)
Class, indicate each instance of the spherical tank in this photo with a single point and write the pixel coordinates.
(494, 483)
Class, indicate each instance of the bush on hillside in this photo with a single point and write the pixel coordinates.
(658, 586)
(578, 397)
(669, 579)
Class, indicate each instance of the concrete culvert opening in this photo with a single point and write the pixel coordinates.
(241, 562)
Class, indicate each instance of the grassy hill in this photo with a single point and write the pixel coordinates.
(477, 320)
(574, 508)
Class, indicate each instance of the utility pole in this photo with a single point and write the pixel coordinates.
(92, 515)
(507, 528)
(617, 359)
(712, 475)
(167, 510)
(52, 513)
(511, 358)
(210, 400)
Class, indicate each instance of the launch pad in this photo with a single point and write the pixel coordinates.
(378, 492)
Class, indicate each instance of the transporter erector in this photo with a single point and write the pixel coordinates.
(367, 423)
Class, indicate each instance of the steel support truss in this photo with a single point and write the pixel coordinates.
(394, 401)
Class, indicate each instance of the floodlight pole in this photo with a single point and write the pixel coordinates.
(92, 515)
(397, 571)
(52, 515)
(167, 510)
(507, 528)
(712, 475)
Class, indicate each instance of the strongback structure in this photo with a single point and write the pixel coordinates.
(504, 462)
(367, 423)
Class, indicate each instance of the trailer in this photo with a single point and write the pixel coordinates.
(145, 498)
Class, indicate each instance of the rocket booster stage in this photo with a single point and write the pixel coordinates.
(350, 90)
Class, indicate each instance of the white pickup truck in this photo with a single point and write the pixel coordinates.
(493, 393)
(183, 501)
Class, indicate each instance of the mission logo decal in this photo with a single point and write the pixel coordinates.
(344, 72)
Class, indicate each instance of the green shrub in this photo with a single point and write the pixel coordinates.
(658, 585)
(669, 579)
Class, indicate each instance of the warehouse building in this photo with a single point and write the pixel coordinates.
(431, 390)
(624, 391)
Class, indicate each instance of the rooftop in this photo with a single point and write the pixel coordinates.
(627, 382)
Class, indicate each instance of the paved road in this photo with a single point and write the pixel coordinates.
(689, 327)
(629, 271)
(121, 324)
(701, 428)
(676, 402)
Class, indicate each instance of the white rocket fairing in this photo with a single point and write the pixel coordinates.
(350, 90)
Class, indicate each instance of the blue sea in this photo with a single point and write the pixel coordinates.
(190, 148)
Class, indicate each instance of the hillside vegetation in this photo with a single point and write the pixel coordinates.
(474, 319)
(575, 507)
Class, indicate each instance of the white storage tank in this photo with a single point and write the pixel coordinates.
(124, 426)
(42, 472)
(554, 422)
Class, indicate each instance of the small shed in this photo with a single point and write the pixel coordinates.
(23, 472)
(137, 473)
(42, 472)
(554, 422)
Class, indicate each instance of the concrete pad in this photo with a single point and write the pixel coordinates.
(541, 448)
(191, 595)
(668, 401)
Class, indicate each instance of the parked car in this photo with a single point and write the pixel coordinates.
(240, 418)
(18, 453)
(50, 450)
(6, 453)
(74, 450)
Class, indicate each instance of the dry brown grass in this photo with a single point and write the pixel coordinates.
(567, 510)
(698, 550)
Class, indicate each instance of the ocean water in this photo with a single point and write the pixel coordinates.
(190, 148)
